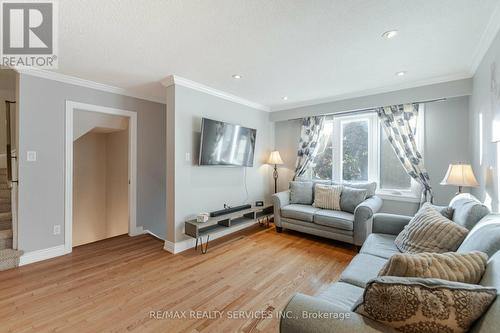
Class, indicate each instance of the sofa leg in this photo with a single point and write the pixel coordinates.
(279, 229)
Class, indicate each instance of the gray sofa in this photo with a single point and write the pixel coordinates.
(339, 225)
(379, 246)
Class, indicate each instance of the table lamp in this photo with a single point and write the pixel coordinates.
(460, 175)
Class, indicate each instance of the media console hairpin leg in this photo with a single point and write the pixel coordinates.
(200, 238)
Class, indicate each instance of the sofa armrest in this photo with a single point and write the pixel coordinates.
(363, 215)
(280, 200)
(304, 314)
(391, 224)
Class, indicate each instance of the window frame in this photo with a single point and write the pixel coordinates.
(374, 162)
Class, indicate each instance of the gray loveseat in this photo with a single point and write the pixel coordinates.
(350, 227)
(379, 246)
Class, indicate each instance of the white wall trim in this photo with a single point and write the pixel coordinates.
(177, 80)
(189, 243)
(68, 219)
(489, 34)
(49, 75)
(39, 255)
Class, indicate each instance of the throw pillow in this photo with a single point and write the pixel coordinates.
(301, 193)
(451, 266)
(369, 187)
(429, 231)
(443, 210)
(424, 305)
(351, 198)
(327, 196)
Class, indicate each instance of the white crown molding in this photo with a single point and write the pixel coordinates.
(177, 80)
(369, 92)
(44, 254)
(50, 75)
(489, 34)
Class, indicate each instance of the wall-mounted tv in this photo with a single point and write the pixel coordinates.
(226, 144)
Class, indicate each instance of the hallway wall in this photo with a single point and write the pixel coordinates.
(100, 186)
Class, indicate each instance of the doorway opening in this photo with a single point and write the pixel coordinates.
(101, 162)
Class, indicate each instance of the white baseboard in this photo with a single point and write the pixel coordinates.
(149, 232)
(138, 231)
(190, 243)
(39, 255)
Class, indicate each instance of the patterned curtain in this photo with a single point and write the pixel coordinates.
(308, 145)
(397, 123)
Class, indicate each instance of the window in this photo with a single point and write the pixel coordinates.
(355, 148)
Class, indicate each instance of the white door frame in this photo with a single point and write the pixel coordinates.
(132, 166)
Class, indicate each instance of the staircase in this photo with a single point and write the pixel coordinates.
(9, 258)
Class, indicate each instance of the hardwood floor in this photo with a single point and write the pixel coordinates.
(115, 284)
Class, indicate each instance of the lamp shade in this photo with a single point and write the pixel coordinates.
(275, 158)
(460, 175)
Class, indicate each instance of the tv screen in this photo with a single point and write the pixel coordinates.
(226, 144)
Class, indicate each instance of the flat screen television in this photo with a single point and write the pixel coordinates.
(225, 144)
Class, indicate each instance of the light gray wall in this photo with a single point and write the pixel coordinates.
(485, 161)
(41, 183)
(446, 141)
(419, 94)
(204, 188)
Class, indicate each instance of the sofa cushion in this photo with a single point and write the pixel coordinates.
(299, 212)
(351, 198)
(484, 237)
(301, 193)
(370, 188)
(334, 219)
(446, 211)
(380, 245)
(451, 266)
(362, 269)
(429, 231)
(490, 321)
(424, 305)
(343, 295)
(468, 210)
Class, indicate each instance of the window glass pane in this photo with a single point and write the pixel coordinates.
(355, 150)
(392, 174)
(322, 164)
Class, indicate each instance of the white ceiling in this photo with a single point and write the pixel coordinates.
(304, 49)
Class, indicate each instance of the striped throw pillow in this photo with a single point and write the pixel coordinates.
(429, 231)
(327, 196)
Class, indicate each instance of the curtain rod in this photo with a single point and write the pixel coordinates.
(370, 109)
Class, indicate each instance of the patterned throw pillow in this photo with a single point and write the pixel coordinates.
(327, 196)
(424, 305)
(451, 266)
(429, 231)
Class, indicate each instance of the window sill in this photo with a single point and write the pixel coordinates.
(394, 196)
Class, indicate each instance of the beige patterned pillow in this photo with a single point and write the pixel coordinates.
(327, 196)
(429, 231)
(451, 266)
(424, 305)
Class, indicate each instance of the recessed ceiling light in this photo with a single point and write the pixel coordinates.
(390, 34)
(285, 98)
(402, 73)
(236, 76)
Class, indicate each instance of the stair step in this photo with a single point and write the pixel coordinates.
(4, 225)
(6, 216)
(5, 244)
(9, 259)
(6, 234)
(3, 171)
